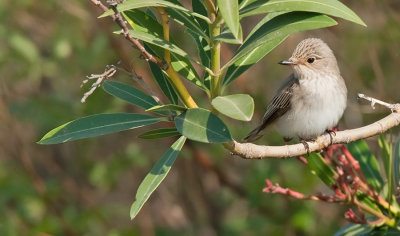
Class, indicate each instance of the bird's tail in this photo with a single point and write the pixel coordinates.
(254, 134)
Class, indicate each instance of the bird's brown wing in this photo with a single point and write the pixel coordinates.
(279, 105)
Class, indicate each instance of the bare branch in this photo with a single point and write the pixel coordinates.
(253, 151)
(109, 72)
(119, 19)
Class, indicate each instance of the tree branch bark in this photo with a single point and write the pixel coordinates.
(253, 151)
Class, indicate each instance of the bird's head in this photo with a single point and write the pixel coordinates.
(312, 55)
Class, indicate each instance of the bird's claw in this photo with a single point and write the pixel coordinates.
(331, 132)
(306, 146)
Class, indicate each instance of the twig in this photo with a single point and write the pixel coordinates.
(276, 189)
(374, 101)
(108, 72)
(253, 151)
(119, 19)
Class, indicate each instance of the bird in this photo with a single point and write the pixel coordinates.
(311, 100)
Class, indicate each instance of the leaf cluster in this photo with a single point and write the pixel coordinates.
(209, 24)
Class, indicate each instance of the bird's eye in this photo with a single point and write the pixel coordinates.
(311, 60)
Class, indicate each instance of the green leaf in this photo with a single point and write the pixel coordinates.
(129, 94)
(237, 106)
(134, 4)
(245, 3)
(198, 8)
(152, 39)
(156, 176)
(186, 20)
(230, 13)
(254, 55)
(96, 125)
(201, 125)
(281, 26)
(396, 161)
(159, 133)
(170, 107)
(354, 230)
(164, 83)
(204, 52)
(178, 64)
(226, 36)
(386, 151)
(328, 7)
(367, 200)
(141, 21)
(319, 167)
(368, 163)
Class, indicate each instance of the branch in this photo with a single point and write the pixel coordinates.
(119, 19)
(108, 73)
(172, 74)
(253, 151)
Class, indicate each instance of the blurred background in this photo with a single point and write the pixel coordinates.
(86, 187)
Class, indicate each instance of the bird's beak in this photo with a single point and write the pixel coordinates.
(288, 62)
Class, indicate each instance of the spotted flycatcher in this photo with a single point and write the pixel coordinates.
(312, 99)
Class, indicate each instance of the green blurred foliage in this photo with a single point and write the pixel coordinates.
(86, 187)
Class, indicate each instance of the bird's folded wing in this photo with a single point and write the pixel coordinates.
(279, 105)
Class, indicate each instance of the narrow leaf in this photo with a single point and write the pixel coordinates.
(134, 4)
(319, 167)
(368, 163)
(198, 8)
(328, 7)
(150, 38)
(367, 200)
(396, 162)
(237, 106)
(281, 26)
(141, 21)
(156, 176)
(226, 36)
(129, 94)
(164, 83)
(159, 133)
(255, 55)
(230, 13)
(187, 21)
(245, 3)
(386, 152)
(354, 229)
(201, 125)
(96, 125)
(170, 107)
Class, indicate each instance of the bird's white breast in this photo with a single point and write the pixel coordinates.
(317, 105)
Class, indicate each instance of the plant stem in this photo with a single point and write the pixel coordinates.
(215, 30)
(172, 75)
(388, 221)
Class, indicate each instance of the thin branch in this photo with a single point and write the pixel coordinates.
(108, 72)
(253, 151)
(376, 101)
(119, 19)
(172, 74)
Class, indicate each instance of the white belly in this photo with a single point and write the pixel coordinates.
(313, 111)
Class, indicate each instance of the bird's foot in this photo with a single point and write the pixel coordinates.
(331, 133)
(306, 146)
